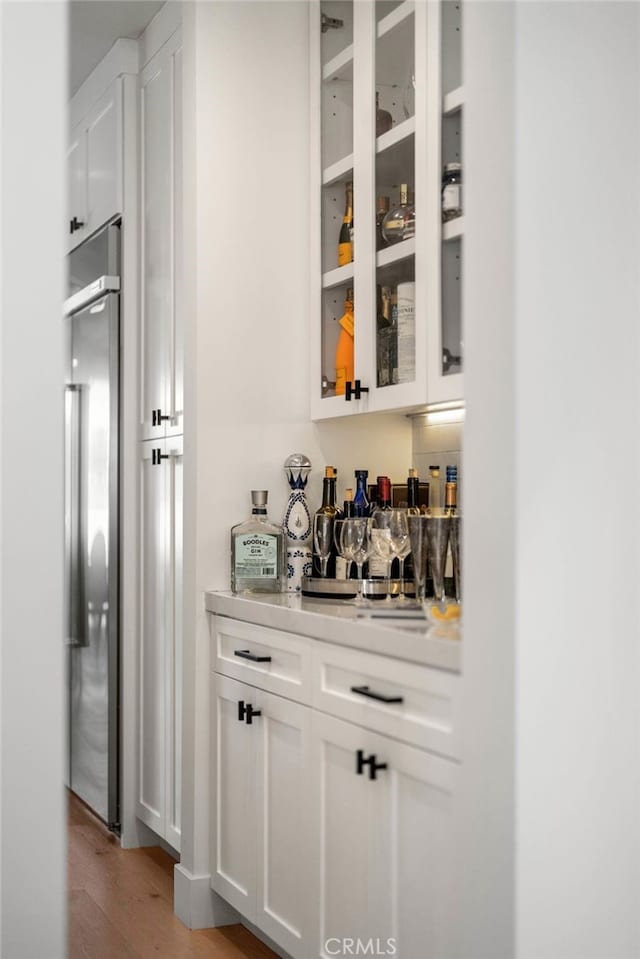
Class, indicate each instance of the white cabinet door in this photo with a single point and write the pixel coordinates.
(233, 824)
(342, 829)
(153, 639)
(161, 397)
(95, 167)
(77, 186)
(104, 158)
(160, 666)
(385, 842)
(173, 666)
(285, 895)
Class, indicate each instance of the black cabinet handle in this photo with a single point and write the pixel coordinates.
(369, 693)
(157, 419)
(245, 654)
(157, 456)
(246, 712)
(75, 224)
(361, 762)
(251, 712)
(356, 390)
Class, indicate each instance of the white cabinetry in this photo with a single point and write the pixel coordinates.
(160, 663)
(384, 819)
(261, 829)
(161, 415)
(161, 395)
(95, 166)
(407, 55)
(332, 822)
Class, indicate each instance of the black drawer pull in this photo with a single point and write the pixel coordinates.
(365, 691)
(361, 762)
(245, 654)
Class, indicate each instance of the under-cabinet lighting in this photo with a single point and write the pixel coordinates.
(441, 413)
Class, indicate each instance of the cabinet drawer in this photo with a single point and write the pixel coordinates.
(275, 661)
(413, 703)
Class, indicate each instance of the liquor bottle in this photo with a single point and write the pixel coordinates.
(377, 565)
(328, 508)
(400, 222)
(384, 120)
(435, 495)
(451, 191)
(348, 510)
(385, 334)
(413, 493)
(413, 509)
(451, 491)
(345, 239)
(360, 500)
(382, 208)
(257, 551)
(345, 346)
(296, 523)
(406, 331)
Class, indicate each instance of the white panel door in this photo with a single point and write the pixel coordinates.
(104, 158)
(342, 828)
(233, 826)
(161, 400)
(386, 843)
(154, 545)
(77, 186)
(286, 894)
(173, 467)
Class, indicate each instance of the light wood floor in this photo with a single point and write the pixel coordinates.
(120, 903)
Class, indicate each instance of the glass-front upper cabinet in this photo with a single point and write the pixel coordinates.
(385, 298)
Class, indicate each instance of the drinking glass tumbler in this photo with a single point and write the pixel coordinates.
(455, 540)
(418, 537)
(438, 531)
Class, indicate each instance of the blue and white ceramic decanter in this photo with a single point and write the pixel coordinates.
(297, 522)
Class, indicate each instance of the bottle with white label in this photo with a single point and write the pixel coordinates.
(257, 551)
(406, 331)
(451, 191)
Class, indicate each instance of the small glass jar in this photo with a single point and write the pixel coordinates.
(400, 222)
(451, 191)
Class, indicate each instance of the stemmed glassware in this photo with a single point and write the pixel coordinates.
(400, 541)
(337, 539)
(389, 535)
(323, 539)
(355, 544)
(420, 548)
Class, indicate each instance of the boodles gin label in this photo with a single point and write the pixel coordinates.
(257, 551)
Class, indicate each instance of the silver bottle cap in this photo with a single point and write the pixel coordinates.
(259, 497)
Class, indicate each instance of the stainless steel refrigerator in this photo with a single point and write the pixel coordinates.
(92, 519)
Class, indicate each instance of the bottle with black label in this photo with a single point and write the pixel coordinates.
(328, 508)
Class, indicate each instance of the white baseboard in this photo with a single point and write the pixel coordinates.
(197, 905)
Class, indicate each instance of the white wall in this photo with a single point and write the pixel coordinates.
(33, 808)
(247, 285)
(550, 831)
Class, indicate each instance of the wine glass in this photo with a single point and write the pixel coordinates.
(337, 538)
(400, 540)
(381, 541)
(355, 543)
(323, 539)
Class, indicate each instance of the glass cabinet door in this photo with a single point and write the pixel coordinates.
(386, 270)
(337, 243)
(399, 213)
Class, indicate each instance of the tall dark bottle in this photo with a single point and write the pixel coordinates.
(413, 509)
(361, 506)
(377, 565)
(329, 508)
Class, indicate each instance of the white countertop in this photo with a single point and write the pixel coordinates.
(346, 624)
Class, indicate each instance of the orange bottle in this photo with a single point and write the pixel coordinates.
(344, 348)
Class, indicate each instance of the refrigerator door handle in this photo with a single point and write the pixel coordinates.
(76, 632)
